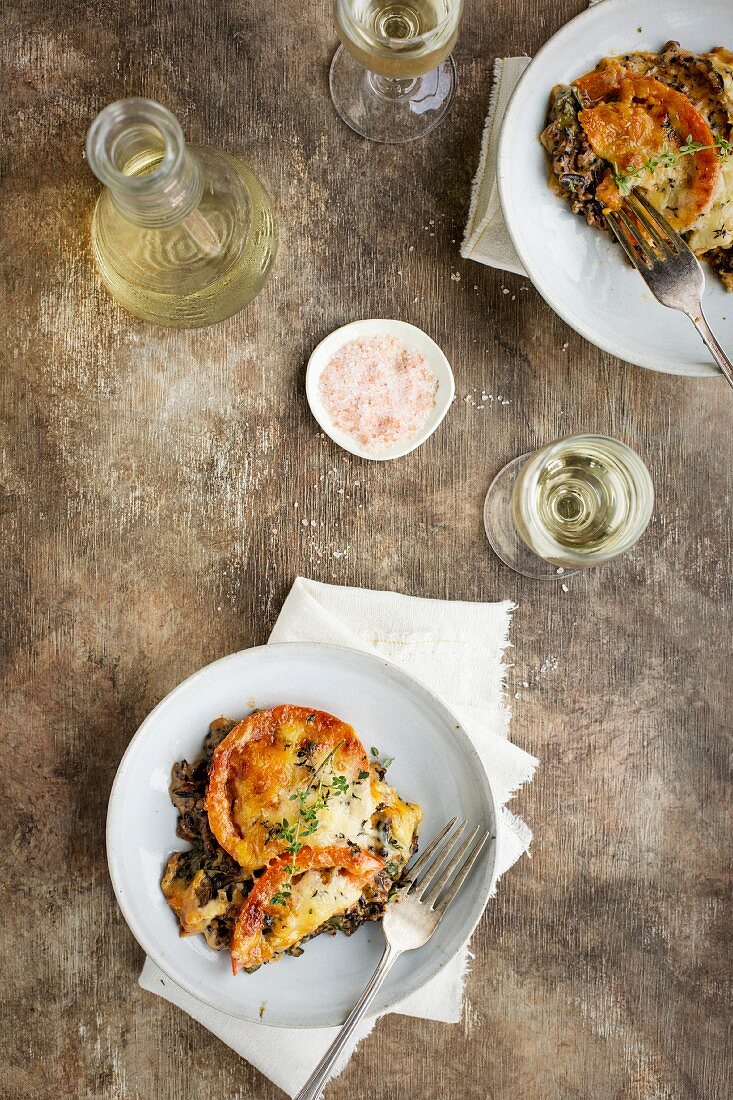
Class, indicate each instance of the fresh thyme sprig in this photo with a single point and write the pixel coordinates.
(668, 158)
(306, 823)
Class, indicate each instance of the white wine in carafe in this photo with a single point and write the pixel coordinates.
(182, 235)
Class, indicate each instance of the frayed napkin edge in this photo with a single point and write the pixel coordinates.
(470, 232)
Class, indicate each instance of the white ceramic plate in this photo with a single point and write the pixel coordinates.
(576, 269)
(435, 764)
(415, 340)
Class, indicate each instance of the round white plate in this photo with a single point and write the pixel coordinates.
(435, 764)
(415, 340)
(576, 269)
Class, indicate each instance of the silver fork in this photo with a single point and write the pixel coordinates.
(667, 265)
(427, 889)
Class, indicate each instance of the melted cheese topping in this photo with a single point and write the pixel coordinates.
(261, 766)
(293, 773)
(714, 229)
(637, 107)
(394, 826)
(184, 899)
(313, 902)
(623, 133)
(325, 883)
(631, 117)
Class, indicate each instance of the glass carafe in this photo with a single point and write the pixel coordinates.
(183, 235)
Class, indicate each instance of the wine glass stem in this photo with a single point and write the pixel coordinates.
(391, 87)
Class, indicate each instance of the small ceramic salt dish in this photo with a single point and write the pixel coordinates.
(415, 341)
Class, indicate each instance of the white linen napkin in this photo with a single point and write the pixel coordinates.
(457, 649)
(487, 238)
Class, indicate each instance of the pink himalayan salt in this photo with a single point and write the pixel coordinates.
(378, 392)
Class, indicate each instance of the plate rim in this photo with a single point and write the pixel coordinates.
(114, 812)
(542, 285)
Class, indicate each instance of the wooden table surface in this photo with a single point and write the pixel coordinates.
(149, 484)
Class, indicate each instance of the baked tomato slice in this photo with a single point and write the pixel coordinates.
(293, 900)
(629, 119)
(269, 763)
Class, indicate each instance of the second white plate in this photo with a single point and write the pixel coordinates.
(576, 269)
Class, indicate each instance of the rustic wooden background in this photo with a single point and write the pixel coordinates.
(149, 526)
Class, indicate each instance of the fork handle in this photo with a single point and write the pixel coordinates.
(711, 343)
(317, 1080)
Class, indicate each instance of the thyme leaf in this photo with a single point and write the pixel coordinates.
(384, 763)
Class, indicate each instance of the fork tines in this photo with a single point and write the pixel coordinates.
(645, 235)
(438, 874)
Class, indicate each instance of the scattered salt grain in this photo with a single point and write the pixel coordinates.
(471, 399)
(564, 587)
(378, 392)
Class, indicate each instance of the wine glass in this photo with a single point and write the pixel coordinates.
(392, 78)
(574, 503)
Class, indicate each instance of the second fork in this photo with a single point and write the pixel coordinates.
(667, 265)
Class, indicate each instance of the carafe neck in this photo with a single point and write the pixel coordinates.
(136, 148)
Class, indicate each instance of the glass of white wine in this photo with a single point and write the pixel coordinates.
(392, 78)
(575, 503)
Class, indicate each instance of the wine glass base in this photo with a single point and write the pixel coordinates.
(502, 535)
(390, 111)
